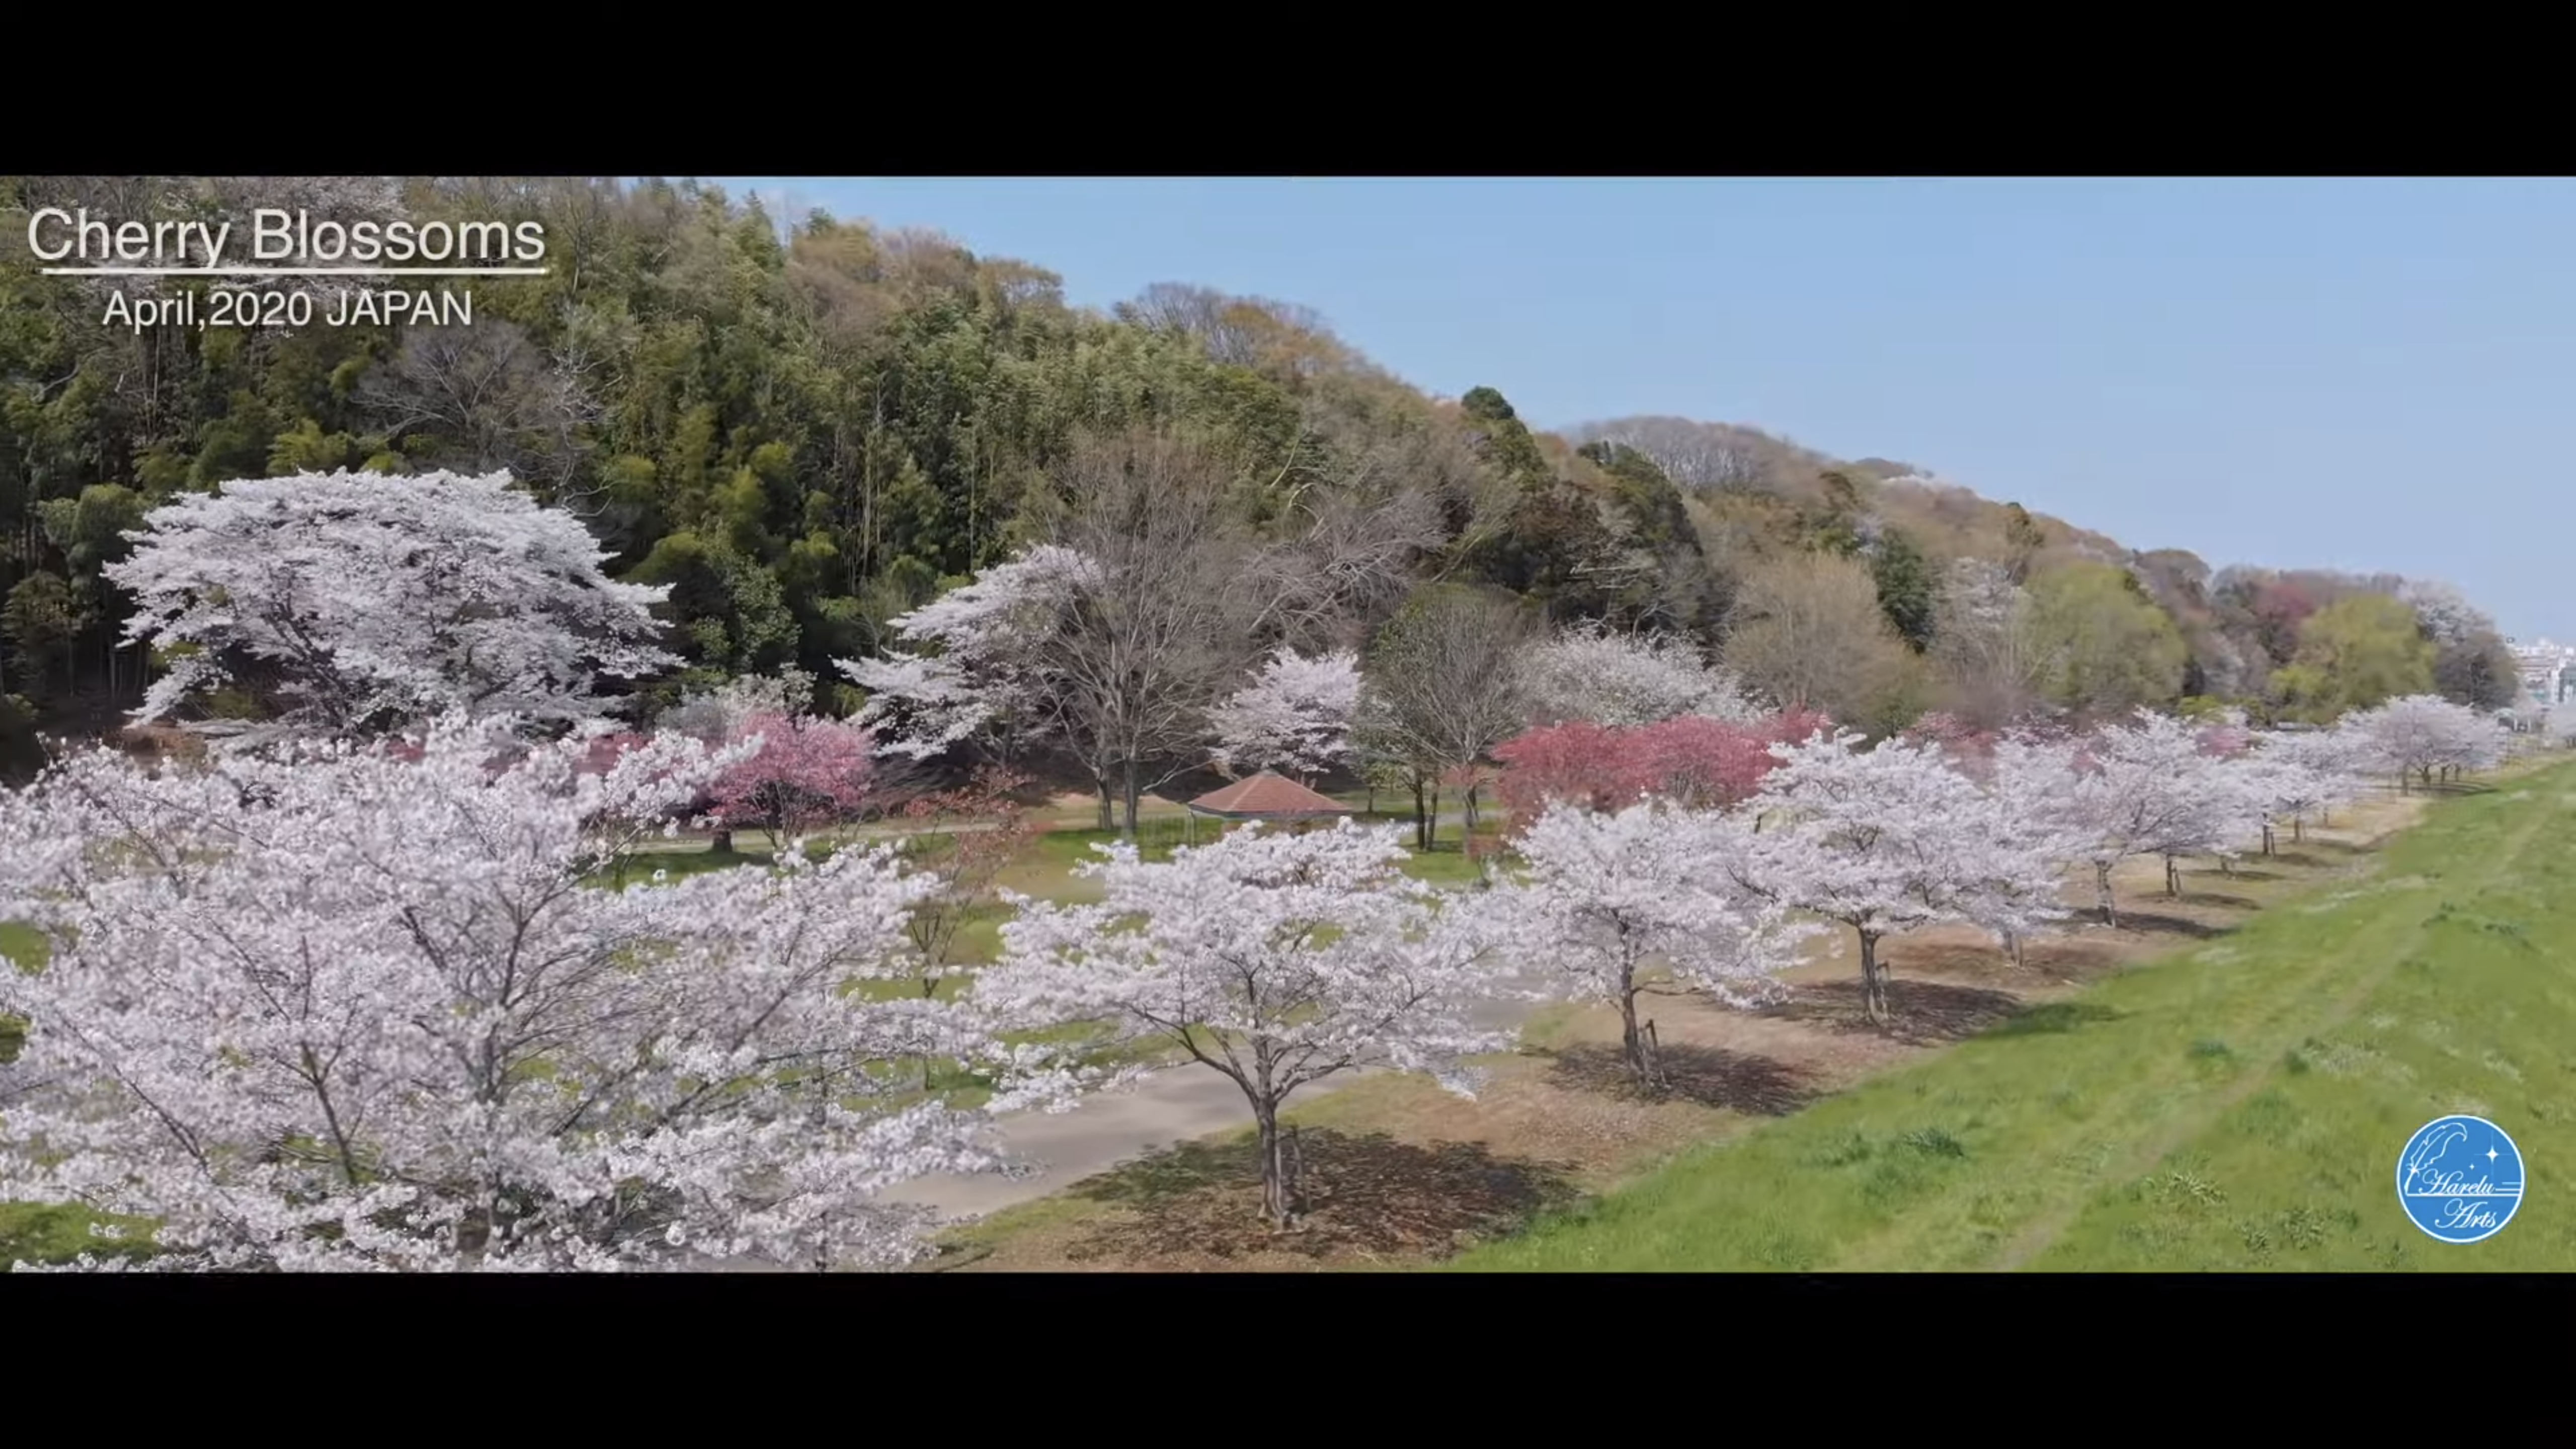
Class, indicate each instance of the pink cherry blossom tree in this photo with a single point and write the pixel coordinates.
(348, 1011)
(1275, 960)
(1604, 895)
(1695, 760)
(1578, 763)
(803, 771)
(1702, 762)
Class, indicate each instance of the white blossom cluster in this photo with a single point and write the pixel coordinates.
(349, 1009)
(1589, 674)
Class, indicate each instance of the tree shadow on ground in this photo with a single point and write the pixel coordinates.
(1705, 1076)
(1366, 1195)
(2051, 1018)
(1924, 1013)
(2217, 899)
(2070, 957)
(2316, 850)
(2149, 923)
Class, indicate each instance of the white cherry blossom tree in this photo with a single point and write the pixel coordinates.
(1275, 959)
(2424, 737)
(2151, 788)
(361, 604)
(1294, 717)
(975, 658)
(2445, 614)
(1607, 895)
(2031, 788)
(1586, 673)
(1881, 840)
(2300, 775)
(715, 716)
(377, 1010)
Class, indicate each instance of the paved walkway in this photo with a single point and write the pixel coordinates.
(1110, 1129)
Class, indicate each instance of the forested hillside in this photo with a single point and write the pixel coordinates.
(808, 430)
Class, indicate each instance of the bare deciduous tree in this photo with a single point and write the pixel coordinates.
(496, 401)
(1157, 628)
(1348, 561)
(1982, 642)
(1808, 632)
(1444, 689)
(1236, 331)
(1694, 455)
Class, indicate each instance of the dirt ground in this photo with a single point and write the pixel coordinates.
(1397, 1171)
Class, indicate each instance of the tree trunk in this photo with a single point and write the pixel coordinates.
(1631, 1040)
(1134, 796)
(1431, 821)
(1278, 1193)
(1421, 819)
(1873, 981)
(722, 844)
(2173, 877)
(2012, 946)
(2298, 828)
(1108, 805)
(2102, 886)
(2267, 837)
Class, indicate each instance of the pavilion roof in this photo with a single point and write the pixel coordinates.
(1267, 796)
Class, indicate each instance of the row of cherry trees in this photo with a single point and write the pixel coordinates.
(1622, 869)
(1277, 960)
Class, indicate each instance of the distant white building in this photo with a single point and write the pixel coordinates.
(2548, 668)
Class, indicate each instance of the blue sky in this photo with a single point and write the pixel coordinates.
(2358, 374)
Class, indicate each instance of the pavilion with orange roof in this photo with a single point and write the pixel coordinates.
(1266, 796)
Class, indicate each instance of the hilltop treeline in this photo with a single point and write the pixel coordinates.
(808, 429)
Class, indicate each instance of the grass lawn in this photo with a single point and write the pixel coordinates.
(2240, 1106)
